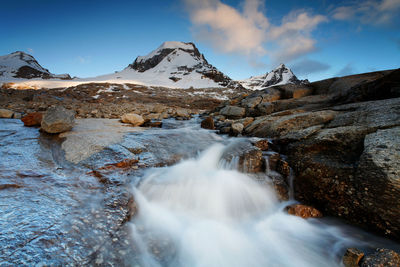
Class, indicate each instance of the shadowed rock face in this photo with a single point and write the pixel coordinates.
(342, 142)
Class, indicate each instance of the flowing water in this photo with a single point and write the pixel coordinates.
(200, 211)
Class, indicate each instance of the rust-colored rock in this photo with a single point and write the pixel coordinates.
(352, 257)
(32, 119)
(208, 123)
(262, 144)
(304, 211)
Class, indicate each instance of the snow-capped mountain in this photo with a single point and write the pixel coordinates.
(23, 65)
(278, 76)
(173, 64)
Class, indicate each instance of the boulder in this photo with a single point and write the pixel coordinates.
(352, 257)
(6, 113)
(32, 119)
(236, 129)
(208, 123)
(57, 120)
(304, 211)
(381, 257)
(132, 118)
(233, 112)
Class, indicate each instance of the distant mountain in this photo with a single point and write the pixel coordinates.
(278, 76)
(23, 65)
(174, 64)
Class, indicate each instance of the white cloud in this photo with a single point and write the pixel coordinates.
(377, 12)
(247, 31)
(30, 50)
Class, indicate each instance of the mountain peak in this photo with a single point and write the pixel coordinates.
(180, 64)
(23, 65)
(278, 76)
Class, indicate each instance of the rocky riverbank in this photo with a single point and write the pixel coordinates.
(105, 100)
(341, 137)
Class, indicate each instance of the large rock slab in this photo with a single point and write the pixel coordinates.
(273, 126)
(233, 112)
(57, 120)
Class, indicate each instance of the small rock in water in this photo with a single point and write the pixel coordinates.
(57, 120)
(132, 118)
(32, 119)
(382, 257)
(352, 257)
(208, 123)
(304, 211)
(6, 113)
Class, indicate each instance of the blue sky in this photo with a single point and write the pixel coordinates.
(317, 39)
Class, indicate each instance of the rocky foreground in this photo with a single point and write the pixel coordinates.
(341, 137)
(338, 138)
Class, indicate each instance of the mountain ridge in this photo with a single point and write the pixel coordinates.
(279, 76)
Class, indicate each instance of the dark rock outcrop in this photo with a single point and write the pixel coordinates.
(341, 137)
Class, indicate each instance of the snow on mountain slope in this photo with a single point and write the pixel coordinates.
(22, 65)
(173, 64)
(278, 76)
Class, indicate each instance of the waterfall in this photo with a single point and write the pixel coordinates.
(200, 212)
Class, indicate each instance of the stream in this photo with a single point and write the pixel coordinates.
(193, 208)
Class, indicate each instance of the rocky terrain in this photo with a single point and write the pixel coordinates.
(340, 136)
(104, 100)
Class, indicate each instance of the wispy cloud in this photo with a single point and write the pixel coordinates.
(309, 66)
(248, 31)
(82, 60)
(30, 50)
(377, 12)
(349, 69)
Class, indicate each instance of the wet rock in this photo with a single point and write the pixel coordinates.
(208, 123)
(6, 113)
(17, 115)
(249, 158)
(352, 257)
(32, 119)
(57, 120)
(382, 257)
(7, 186)
(236, 129)
(132, 118)
(283, 167)
(280, 186)
(233, 112)
(304, 211)
(152, 124)
(262, 144)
